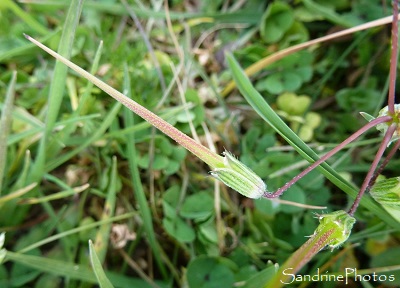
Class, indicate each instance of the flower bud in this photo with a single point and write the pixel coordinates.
(239, 177)
(338, 224)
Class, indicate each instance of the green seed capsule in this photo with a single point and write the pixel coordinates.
(239, 177)
(340, 222)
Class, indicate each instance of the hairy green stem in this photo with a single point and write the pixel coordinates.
(212, 159)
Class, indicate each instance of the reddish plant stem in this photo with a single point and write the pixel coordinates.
(393, 59)
(385, 141)
(300, 257)
(339, 147)
(372, 175)
(384, 163)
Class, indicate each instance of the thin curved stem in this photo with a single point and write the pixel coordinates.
(384, 163)
(339, 147)
(385, 141)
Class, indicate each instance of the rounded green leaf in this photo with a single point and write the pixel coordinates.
(197, 206)
(170, 201)
(179, 229)
(306, 133)
(209, 272)
(293, 104)
(178, 153)
(305, 73)
(163, 144)
(356, 99)
(296, 34)
(294, 194)
(209, 230)
(280, 82)
(266, 206)
(276, 21)
(172, 167)
(291, 81)
(273, 84)
(185, 117)
(159, 162)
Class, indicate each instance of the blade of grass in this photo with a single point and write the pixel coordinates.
(76, 230)
(54, 196)
(57, 86)
(94, 137)
(83, 102)
(252, 17)
(103, 234)
(37, 130)
(72, 270)
(16, 194)
(57, 267)
(25, 48)
(20, 185)
(5, 124)
(138, 191)
(22, 180)
(268, 114)
(25, 17)
(56, 218)
(98, 270)
(147, 42)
